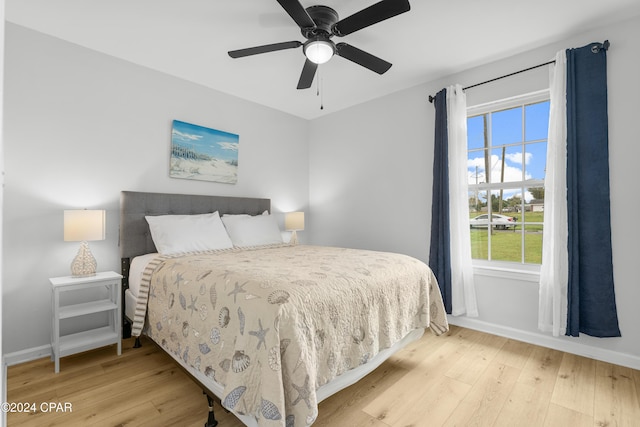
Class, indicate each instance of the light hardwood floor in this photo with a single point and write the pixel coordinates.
(466, 378)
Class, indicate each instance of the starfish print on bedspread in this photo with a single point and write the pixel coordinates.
(179, 279)
(304, 393)
(261, 334)
(237, 289)
(192, 306)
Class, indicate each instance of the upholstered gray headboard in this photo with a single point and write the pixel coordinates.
(135, 238)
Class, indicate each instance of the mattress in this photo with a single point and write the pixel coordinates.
(266, 329)
(136, 269)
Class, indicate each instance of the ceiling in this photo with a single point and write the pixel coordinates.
(189, 39)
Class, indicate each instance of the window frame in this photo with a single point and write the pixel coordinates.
(496, 268)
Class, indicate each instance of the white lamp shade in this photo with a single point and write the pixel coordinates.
(84, 225)
(294, 221)
(319, 51)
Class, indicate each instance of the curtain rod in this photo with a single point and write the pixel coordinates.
(595, 49)
(432, 98)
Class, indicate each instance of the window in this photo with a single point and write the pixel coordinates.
(507, 153)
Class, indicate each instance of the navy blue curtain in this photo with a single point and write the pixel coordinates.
(592, 304)
(439, 250)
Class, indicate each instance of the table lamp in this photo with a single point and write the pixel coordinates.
(294, 221)
(83, 225)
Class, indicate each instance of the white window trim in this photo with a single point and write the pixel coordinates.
(504, 104)
(504, 269)
(507, 270)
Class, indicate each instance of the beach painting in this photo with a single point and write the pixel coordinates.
(203, 154)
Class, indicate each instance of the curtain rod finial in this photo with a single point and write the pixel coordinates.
(597, 47)
(432, 98)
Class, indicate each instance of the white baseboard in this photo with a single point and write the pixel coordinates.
(27, 355)
(556, 343)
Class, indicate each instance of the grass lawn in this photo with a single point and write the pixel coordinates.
(506, 245)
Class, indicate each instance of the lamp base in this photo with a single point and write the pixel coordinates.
(294, 238)
(84, 264)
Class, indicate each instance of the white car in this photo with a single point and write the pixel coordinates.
(500, 222)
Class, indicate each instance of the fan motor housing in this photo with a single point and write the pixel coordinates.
(324, 18)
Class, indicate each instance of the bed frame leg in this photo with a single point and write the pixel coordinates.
(137, 344)
(211, 419)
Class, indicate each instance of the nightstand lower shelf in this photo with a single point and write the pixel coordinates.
(88, 340)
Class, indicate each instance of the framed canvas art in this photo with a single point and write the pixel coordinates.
(203, 154)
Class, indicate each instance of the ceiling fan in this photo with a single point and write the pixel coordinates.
(319, 24)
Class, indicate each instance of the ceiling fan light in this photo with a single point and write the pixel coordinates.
(319, 51)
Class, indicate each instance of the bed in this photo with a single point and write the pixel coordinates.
(270, 330)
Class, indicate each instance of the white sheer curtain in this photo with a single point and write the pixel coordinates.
(552, 309)
(463, 292)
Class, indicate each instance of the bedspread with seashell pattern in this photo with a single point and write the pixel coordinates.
(273, 324)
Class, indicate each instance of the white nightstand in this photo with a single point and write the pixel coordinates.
(86, 340)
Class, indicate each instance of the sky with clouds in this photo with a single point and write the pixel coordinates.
(524, 148)
(215, 143)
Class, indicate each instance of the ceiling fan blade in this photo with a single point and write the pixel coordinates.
(263, 49)
(298, 13)
(380, 11)
(363, 58)
(308, 73)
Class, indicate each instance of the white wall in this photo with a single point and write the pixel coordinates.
(370, 185)
(370, 175)
(82, 126)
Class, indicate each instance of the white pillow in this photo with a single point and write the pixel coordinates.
(256, 230)
(174, 234)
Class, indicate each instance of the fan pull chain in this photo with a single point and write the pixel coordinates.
(319, 90)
